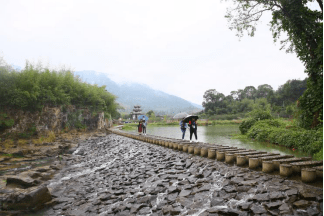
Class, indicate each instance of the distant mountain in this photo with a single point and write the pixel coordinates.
(131, 94)
(197, 105)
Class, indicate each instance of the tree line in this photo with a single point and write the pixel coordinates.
(281, 101)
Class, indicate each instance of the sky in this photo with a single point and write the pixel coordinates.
(180, 47)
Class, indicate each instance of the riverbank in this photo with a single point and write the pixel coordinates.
(117, 175)
(199, 122)
(26, 169)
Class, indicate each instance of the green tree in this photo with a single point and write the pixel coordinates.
(304, 29)
(213, 100)
(250, 92)
(150, 113)
(263, 91)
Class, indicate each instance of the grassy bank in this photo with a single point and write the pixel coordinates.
(129, 126)
(285, 133)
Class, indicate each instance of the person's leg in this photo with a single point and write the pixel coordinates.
(183, 133)
(191, 132)
(196, 134)
(145, 130)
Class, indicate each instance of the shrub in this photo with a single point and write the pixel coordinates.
(258, 114)
(275, 131)
(255, 115)
(5, 121)
(318, 155)
(246, 125)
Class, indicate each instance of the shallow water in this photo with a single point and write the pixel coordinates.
(221, 135)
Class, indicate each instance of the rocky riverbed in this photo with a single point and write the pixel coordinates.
(114, 175)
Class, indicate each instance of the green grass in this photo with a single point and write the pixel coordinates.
(130, 127)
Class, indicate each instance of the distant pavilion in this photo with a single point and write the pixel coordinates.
(136, 112)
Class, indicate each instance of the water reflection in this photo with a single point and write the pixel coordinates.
(221, 134)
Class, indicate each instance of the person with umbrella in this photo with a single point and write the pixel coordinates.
(191, 119)
(140, 127)
(143, 119)
(183, 127)
(144, 123)
(193, 128)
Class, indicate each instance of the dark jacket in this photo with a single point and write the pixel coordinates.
(192, 125)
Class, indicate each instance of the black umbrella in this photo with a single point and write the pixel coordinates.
(189, 118)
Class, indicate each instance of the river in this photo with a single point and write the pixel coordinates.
(222, 135)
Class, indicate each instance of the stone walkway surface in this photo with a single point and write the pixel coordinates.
(115, 175)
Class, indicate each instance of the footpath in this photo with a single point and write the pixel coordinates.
(116, 175)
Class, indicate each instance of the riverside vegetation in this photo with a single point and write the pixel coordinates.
(261, 126)
(35, 88)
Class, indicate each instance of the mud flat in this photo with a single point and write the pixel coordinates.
(117, 175)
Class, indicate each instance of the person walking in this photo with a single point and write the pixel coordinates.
(183, 127)
(144, 125)
(193, 129)
(140, 127)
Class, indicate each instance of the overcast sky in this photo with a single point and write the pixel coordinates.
(180, 47)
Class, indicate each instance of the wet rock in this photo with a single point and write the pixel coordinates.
(301, 204)
(184, 201)
(32, 198)
(172, 197)
(173, 189)
(145, 211)
(249, 183)
(236, 180)
(223, 211)
(185, 193)
(201, 195)
(217, 202)
(245, 205)
(261, 197)
(166, 209)
(284, 209)
(277, 195)
(22, 181)
(136, 207)
(291, 199)
(175, 211)
(308, 195)
(197, 204)
(229, 189)
(188, 163)
(273, 205)
(207, 173)
(203, 188)
(258, 209)
(292, 192)
(145, 199)
(312, 211)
